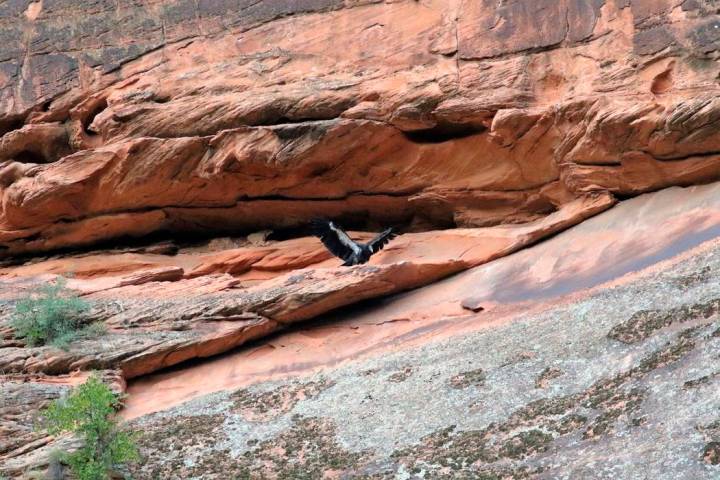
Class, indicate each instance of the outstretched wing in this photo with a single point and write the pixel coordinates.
(335, 239)
(377, 243)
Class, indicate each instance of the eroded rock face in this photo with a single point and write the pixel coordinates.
(161, 310)
(658, 231)
(158, 315)
(611, 382)
(225, 116)
(510, 121)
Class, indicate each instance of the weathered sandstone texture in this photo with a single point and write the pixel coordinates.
(477, 127)
(122, 119)
(551, 395)
(647, 234)
(550, 381)
(159, 316)
(161, 310)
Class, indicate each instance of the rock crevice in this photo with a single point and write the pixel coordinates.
(487, 99)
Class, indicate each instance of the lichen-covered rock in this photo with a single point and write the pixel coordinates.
(547, 395)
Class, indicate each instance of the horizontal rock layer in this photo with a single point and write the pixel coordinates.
(158, 315)
(227, 116)
(657, 318)
(162, 310)
(509, 121)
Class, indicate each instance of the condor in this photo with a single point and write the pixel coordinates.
(342, 246)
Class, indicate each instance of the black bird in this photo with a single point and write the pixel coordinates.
(342, 246)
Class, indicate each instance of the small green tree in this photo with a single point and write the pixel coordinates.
(89, 413)
(52, 314)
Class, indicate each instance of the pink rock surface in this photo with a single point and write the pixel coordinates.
(477, 128)
(631, 239)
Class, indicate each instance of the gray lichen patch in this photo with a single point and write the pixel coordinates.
(401, 375)
(711, 450)
(475, 378)
(264, 406)
(701, 381)
(183, 448)
(173, 445)
(711, 453)
(532, 430)
(694, 278)
(644, 323)
(546, 376)
(309, 449)
(646, 408)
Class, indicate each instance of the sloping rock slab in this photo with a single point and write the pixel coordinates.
(153, 334)
(153, 325)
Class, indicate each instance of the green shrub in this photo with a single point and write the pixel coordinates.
(89, 413)
(52, 314)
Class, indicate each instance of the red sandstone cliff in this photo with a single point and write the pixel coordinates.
(478, 127)
(124, 119)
